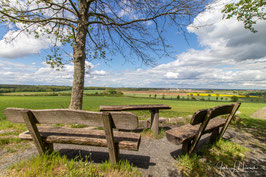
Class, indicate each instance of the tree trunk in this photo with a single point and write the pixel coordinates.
(79, 57)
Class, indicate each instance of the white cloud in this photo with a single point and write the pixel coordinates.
(232, 57)
(27, 74)
(172, 75)
(18, 43)
(101, 72)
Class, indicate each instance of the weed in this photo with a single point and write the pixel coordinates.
(9, 133)
(6, 141)
(78, 126)
(56, 165)
(150, 133)
(58, 125)
(5, 124)
(225, 152)
(222, 152)
(192, 166)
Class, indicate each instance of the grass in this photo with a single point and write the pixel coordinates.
(12, 144)
(248, 122)
(9, 133)
(222, 154)
(5, 124)
(78, 126)
(191, 166)
(6, 141)
(56, 165)
(92, 103)
(224, 151)
(14, 147)
(148, 132)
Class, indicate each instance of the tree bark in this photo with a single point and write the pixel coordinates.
(79, 57)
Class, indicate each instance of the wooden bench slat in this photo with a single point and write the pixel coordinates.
(199, 115)
(133, 107)
(83, 136)
(179, 134)
(122, 120)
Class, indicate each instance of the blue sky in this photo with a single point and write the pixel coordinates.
(222, 55)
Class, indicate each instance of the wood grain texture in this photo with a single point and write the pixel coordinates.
(122, 120)
(133, 107)
(200, 131)
(198, 116)
(186, 146)
(229, 118)
(35, 135)
(83, 136)
(214, 135)
(107, 121)
(187, 132)
(155, 122)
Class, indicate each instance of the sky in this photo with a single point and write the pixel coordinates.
(219, 55)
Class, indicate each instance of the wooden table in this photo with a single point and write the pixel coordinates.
(154, 110)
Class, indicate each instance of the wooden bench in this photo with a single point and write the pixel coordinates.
(203, 121)
(153, 108)
(44, 137)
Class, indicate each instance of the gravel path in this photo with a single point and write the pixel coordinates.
(155, 157)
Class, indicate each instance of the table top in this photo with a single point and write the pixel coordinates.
(134, 107)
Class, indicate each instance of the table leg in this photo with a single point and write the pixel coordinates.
(155, 121)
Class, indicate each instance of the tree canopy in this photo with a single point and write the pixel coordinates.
(94, 27)
(247, 11)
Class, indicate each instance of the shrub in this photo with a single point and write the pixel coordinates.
(234, 98)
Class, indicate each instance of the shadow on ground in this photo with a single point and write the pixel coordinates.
(139, 161)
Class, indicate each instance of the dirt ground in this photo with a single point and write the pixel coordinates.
(156, 157)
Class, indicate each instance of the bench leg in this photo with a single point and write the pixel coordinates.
(229, 120)
(155, 121)
(49, 147)
(117, 152)
(214, 135)
(41, 146)
(112, 146)
(200, 132)
(186, 146)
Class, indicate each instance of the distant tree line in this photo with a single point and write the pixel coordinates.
(31, 88)
(39, 88)
(260, 94)
(45, 88)
(95, 88)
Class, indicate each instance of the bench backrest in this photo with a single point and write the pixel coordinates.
(205, 115)
(200, 115)
(121, 120)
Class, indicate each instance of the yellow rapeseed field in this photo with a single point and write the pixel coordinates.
(217, 95)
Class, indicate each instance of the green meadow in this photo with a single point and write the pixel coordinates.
(225, 151)
(92, 103)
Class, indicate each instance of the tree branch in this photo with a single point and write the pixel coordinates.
(74, 7)
(60, 20)
(130, 22)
